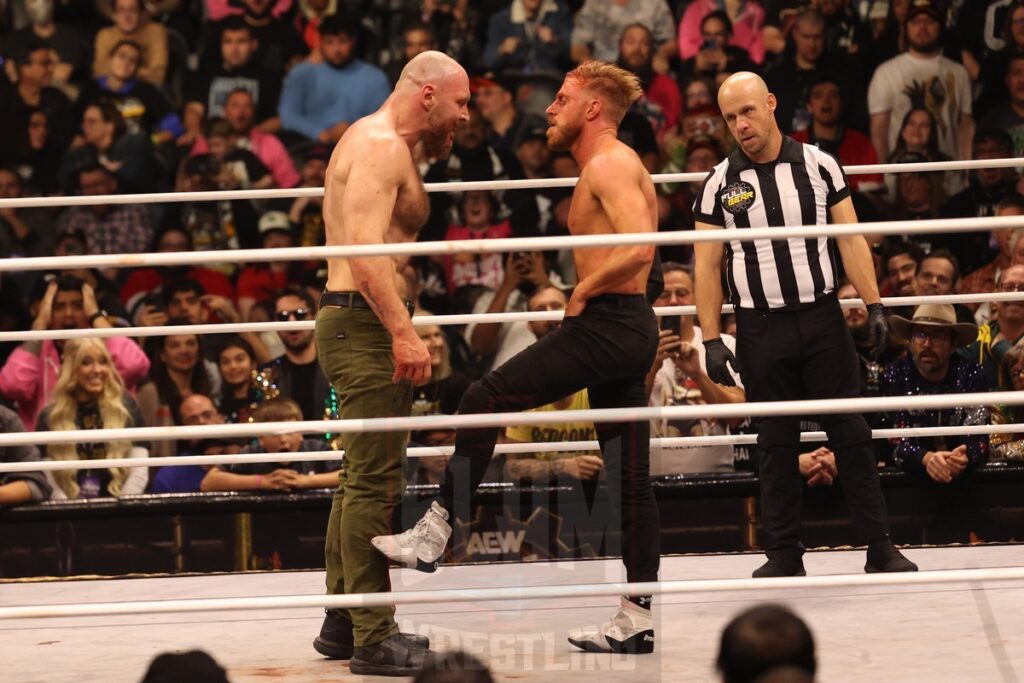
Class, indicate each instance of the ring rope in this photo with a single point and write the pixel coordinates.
(464, 186)
(507, 448)
(720, 411)
(462, 595)
(507, 244)
(442, 320)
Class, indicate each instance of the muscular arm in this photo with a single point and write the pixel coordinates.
(856, 254)
(712, 392)
(708, 285)
(366, 204)
(618, 185)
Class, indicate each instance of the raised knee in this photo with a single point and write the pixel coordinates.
(479, 398)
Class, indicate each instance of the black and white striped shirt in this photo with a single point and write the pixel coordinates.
(798, 189)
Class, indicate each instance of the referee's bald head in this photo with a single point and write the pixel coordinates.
(742, 84)
(749, 111)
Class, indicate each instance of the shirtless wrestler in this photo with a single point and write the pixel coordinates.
(368, 347)
(606, 343)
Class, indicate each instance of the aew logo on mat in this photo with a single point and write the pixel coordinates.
(738, 197)
(495, 542)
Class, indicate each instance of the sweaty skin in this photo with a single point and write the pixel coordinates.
(615, 194)
(373, 193)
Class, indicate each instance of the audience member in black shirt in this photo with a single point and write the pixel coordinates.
(238, 67)
(34, 66)
(144, 108)
(297, 374)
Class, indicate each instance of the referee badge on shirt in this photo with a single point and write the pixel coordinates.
(738, 197)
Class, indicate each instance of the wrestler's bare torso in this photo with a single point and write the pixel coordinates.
(588, 217)
(411, 207)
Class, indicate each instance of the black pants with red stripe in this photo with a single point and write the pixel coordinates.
(806, 354)
(608, 350)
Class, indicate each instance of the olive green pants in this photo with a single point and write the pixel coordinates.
(354, 351)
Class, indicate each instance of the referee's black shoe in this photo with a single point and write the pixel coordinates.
(781, 563)
(335, 640)
(883, 557)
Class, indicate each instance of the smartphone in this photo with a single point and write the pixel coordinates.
(670, 323)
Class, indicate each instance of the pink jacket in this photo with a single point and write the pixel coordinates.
(270, 151)
(30, 379)
(219, 9)
(746, 30)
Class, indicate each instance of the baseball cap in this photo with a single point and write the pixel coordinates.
(924, 7)
(492, 80)
(274, 220)
(534, 133)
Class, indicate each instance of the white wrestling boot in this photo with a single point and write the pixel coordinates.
(421, 546)
(630, 632)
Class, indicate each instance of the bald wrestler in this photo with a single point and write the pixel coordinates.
(791, 340)
(606, 344)
(368, 347)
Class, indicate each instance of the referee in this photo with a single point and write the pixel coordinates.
(791, 340)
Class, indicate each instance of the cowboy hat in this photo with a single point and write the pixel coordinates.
(935, 315)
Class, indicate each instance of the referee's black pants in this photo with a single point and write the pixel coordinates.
(806, 354)
(608, 349)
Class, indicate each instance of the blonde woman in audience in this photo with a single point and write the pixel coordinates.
(90, 394)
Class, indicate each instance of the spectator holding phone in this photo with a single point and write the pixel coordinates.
(141, 293)
(717, 54)
(526, 273)
(679, 377)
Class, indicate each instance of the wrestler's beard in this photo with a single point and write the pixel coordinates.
(439, 138)
(564, 136)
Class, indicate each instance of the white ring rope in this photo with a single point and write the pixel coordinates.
(490, 185)
(507, 244)
(442, 320)
(507, 448)
(721, 411)
(462, 595)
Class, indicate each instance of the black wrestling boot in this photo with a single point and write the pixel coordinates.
(883, 557)
(781, 563)
(335, 639)
(394, 656)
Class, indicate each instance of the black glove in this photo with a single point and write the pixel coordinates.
(716, 355)
(878, 330)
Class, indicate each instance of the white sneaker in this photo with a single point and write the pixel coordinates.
(421, 546)
(630, 631)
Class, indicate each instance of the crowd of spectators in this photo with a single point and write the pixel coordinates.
(126, 96)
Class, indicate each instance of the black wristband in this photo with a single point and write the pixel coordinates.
(875, 306)
(98, 314)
